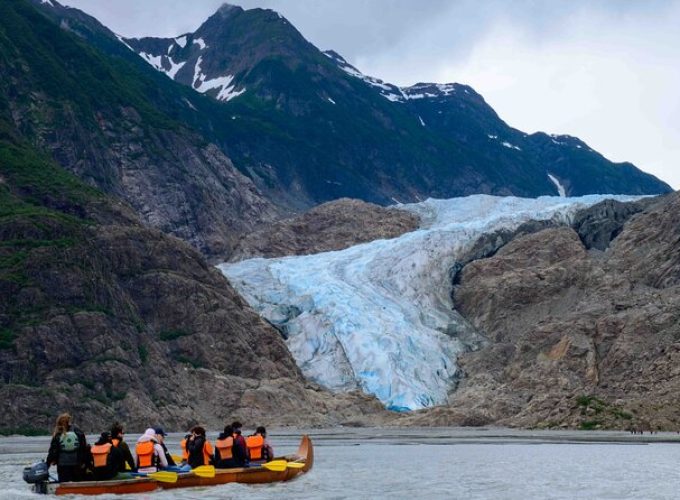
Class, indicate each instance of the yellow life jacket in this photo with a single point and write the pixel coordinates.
(145, 454)
(225, 448)
(100, 454)
(255, 445)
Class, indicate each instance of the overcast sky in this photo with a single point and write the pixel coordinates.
(606, 71)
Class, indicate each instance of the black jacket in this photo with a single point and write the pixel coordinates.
(78, 458)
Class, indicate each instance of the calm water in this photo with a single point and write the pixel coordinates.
(439, 463)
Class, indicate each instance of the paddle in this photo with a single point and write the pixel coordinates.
(176, 458)
(295, 465)
(162, 476)
(204, 471)
(276, 465)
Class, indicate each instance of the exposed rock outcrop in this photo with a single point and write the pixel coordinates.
(332, 226)
(575, 339)
(108, 319)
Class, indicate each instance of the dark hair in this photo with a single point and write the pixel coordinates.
(228, 430)
(236, 424)
(261, 430)
(116, 429)
(199, 430)
(105, 437)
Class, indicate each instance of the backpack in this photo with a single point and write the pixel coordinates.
(69, 442)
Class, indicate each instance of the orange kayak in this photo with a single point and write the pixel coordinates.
(246, 475)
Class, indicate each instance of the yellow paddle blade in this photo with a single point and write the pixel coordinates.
(276, 465)
(127, 466)
(295, 465)
(163, 476)
(176, 458)
(204, 471)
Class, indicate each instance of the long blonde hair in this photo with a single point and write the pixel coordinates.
(63, 424)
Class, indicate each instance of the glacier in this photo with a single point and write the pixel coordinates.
(379, 316)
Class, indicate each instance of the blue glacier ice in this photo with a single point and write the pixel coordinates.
(378, 316)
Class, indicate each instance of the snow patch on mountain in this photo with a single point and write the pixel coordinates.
(155, 61)
(174, 68)
(560, 188)
(392, 92)
(181, 41)
(421, 121)
(379, 316)
(511, 146)
(201, 43)
(223, 83)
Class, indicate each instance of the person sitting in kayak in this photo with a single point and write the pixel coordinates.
(68, 450)
(150, 455)
(160, 439)
(117, 435)
(199, 449)
(240, 449)
(224, 449)
(106, 460)
(172, 466)
(259, 450)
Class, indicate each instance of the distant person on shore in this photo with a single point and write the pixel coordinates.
(259, 450)
(150, 455)
(199, 448)
(105, 459)
(68, 450)
(117, 439)
(240, 448)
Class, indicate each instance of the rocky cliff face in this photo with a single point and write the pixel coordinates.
(109, 319)
(331, 226)
(119, 129)
(576, 338)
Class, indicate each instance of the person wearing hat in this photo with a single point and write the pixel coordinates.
(160, 439)
(150, 455)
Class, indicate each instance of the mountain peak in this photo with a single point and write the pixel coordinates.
(227, 9)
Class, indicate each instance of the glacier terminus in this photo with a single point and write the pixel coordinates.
(379, 316)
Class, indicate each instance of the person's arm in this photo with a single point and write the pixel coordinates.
(127, 455)
(168, 456)
(53, 453)
(161, 455)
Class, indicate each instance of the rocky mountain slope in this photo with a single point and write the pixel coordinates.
(109, 319)
(306, 127)
(116, 125)
(331, 226)
(577, 337)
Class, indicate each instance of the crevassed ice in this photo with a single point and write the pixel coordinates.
(379, 316)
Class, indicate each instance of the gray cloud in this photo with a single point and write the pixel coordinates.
(606, 71)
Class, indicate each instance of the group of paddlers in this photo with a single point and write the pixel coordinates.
(110, 457)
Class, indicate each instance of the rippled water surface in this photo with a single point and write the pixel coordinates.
(439, 463)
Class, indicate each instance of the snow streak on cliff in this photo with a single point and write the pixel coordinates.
(379, 316)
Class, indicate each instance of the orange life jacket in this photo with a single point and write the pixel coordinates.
(100, 454)
(225, 448)
(185, 453)
(145, 454)
(207, 453)
(255, 444)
